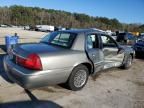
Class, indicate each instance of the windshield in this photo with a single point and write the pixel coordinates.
(62, 39)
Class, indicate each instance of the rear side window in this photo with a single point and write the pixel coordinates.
(62, 39)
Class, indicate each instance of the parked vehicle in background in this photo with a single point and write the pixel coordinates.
(27, 27)
(141, 37)
(126, 38)
(59, 28)
(109, 32)
(13, 26)
(142, 34)
(139, 46)
(45, 28)
(68, 57)
(3, 25)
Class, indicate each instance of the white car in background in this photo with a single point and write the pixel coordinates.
(27, 27)
(3, 25)
(45, 28)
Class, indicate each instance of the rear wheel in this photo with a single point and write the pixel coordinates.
(78, 78)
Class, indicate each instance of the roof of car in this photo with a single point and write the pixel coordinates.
(84, 30)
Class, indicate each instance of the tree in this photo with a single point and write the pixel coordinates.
(20, 15)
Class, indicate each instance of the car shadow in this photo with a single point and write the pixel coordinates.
(141, 57)
(33, 103)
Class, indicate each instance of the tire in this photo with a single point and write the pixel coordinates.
(78, 78)
(128, 62)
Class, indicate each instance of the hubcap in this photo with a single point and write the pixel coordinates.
(80, 78)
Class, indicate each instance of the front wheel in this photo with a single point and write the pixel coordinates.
(78, 78)
(128, 62)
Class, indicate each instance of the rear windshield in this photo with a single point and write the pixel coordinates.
(62, 39)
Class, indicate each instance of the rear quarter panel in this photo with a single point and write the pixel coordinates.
(63, 59)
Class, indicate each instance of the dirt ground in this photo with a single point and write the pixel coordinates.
(113, 88)
(25, 35)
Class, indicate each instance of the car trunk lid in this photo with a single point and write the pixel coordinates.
(24, 50)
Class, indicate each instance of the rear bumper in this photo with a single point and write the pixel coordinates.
(33, 79)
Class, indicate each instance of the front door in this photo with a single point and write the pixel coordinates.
(113, 56)
(95, 54)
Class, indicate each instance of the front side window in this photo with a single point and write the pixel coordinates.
(107, 41)
(62, 39)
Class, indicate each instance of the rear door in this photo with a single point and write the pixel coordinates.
(113, 55)
(95, 54)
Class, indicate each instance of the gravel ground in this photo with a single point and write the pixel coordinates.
(113, 88)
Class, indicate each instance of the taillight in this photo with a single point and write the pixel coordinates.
(32, 62)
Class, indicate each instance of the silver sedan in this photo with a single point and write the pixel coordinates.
(65, 57)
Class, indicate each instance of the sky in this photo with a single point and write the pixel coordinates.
(126, 11)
